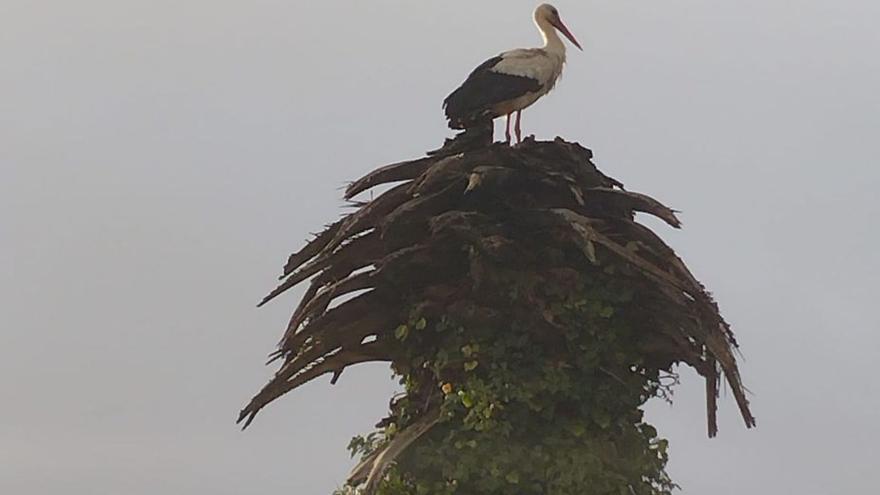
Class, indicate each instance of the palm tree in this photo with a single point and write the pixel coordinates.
(525, 311)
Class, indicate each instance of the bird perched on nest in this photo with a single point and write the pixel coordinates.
(513, 80)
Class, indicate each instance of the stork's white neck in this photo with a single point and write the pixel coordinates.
(552, 42)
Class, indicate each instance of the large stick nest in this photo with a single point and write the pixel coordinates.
(408, 244)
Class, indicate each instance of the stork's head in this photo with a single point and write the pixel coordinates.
(548, 14)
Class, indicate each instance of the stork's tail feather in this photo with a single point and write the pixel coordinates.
(462, 113)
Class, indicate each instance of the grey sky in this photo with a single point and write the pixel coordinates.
(159, 159)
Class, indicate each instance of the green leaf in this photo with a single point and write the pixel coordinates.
(602, 418)
(401, 332)
(421, 324)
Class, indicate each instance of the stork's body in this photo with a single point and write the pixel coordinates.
(513, 80)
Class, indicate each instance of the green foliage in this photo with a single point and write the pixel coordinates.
(528, 408)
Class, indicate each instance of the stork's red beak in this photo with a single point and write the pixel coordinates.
(558, 24)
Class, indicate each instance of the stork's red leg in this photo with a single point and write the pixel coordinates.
(518, 130)
(507, 132)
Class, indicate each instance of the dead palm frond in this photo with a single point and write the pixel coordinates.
(432, 238)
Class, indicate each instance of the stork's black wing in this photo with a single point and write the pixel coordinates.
(473, 100)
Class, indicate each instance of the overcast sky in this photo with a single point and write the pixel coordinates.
(159, 159)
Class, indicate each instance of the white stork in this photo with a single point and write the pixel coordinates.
(513, 80)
